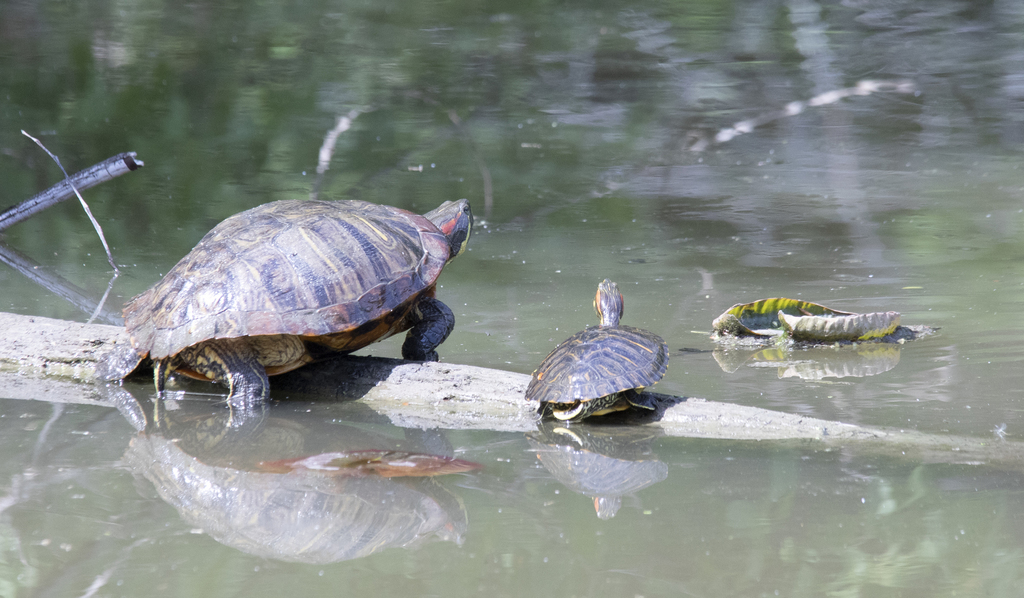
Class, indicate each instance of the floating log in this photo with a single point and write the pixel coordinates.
(59, 361)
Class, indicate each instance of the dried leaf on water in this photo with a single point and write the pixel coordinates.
(854, 327)
(383, 463)
(803, 320)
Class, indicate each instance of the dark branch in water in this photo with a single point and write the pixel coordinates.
(85, 206)
(460, 127)
(485, 173)
(90, 177)
(58, 285)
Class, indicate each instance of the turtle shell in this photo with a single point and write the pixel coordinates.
(598, 362)
(344, 273)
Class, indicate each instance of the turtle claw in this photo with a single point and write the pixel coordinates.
(431, 356)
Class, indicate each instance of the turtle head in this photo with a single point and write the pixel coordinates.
(455, 220)
(608, 303)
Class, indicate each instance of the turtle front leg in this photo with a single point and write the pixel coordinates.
(235, 363)
(432, 322)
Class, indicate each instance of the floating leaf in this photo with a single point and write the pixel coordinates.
(803, 321)
(854, 327)
(383, 463)
(761, 318)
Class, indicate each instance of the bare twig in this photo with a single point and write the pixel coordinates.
(327, 149)
(44, 433)
(863, 88)
(99, 311)
(85, 206)
(90, 177)
(485, 173)
(101, 580)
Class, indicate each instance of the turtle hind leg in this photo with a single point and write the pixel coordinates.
(432, 322)
(637, 398)
(235, 363)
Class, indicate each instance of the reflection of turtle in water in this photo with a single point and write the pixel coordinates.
(604, 463)
(211, 474)
(601, 369)
(269, 289)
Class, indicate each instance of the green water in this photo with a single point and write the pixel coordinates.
(576, 125)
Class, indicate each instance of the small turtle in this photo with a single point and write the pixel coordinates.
(601, 369)
(269, 289)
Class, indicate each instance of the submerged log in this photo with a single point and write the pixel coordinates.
(59, 361)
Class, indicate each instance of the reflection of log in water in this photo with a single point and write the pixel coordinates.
(602, 462)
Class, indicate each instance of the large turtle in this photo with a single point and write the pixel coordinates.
(271, 288)
(601, 369)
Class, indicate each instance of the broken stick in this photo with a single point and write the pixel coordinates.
(90, 177)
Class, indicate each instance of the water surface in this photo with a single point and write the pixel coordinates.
(573, 136)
